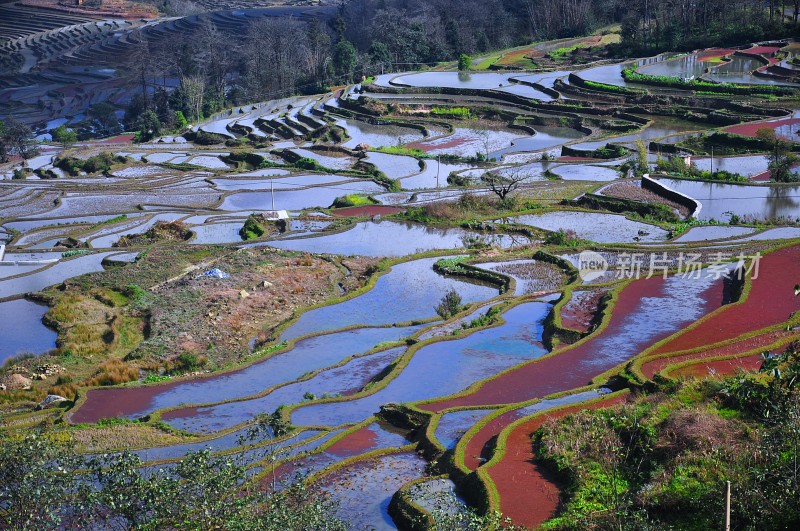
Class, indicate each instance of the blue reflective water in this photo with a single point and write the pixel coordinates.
(446, 367)
(409, 291)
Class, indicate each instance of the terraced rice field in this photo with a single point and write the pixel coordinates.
(330, 320)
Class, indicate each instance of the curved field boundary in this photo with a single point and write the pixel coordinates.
(467, 455)
(570, 334)
(706, 368)
(280, 468)
(770, 299)
(406, 358)
(97, 397)
(408, 514)
(663, 190)
(433, 445)
(551, 374)
(518, 487)
(771, 340)
(755, 321)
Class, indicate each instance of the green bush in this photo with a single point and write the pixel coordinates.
(306, 163)
(449, 305)
(464, 62)
(353, 200)
(253, 227)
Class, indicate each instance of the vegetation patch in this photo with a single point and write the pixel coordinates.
(162, 231)
(353, 200)
(664, 459)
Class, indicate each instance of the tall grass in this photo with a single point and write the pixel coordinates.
(113, 372)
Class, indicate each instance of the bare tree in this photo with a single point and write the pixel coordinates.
(482, 131)
(139, 64)
(194, 88)
(502, 185)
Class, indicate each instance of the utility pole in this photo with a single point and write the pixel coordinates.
(272, 190)
(438, 166)
(712, 161)
(728, 508)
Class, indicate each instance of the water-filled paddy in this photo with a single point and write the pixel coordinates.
(719, 200)
(377, 135)
(585, 172)
(609, 74)
(779, 233)
(438, 496)
(217, 233)
(712, 232)
(394, 166)
(452, 426)
(307, 355)
(408, 292)
(594, 226)
(363, 490)
(342, 162)
(343, 380)
(445, 367)
(466, 142)
(320, 196)
(53, 275)
(454, 80)
(688, 66)
(526, 92)
(22, 330)
(545, 137)
(279, 183)
(746, 165)
(427, 178)
(392, 238)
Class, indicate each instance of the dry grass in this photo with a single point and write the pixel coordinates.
(66, 390)
(698, 431)
(113, 372)
(93, 326)
(122, 436)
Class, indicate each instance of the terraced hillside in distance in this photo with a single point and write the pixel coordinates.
(429, 296)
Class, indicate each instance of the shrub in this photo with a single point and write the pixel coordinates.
(306, 163)
(567, 238)
(449, 305)
(67, 390)
(180, 121)
(630, 74)
(185, 362)
(454, 112)
(352, 200)
(253, 227)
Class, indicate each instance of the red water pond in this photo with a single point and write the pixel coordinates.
(719, 367)
(527, 495)
(771, 301)
(751, 128)
(374, 210)
(713, 53)
(627, 334)
(651, 368)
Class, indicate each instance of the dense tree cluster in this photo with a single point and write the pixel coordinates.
(656, 25)
(208, 69)
(46, 485)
